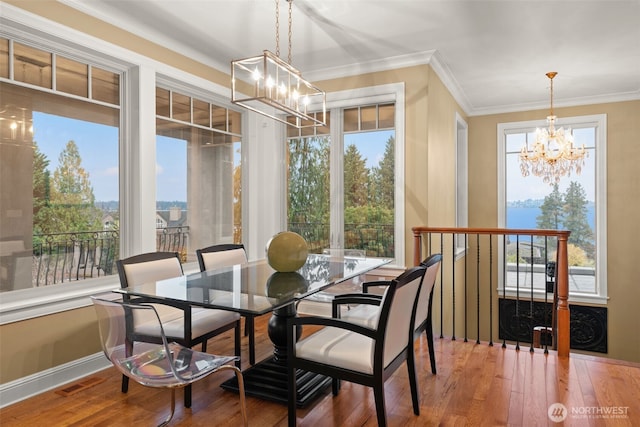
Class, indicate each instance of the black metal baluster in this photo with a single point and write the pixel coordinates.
(531, 320)
(518, 291)
(504, 281)
(466, 258)
(490, 289)
(453, 284)
(477, 289)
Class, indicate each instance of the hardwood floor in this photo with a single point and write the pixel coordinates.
(476, 385)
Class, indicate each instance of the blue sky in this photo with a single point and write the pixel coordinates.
(98, 147)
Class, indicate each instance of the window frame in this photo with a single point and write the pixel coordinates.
(137, 150)
(335, 104)
(599, 122)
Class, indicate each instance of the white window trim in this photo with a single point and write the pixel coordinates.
(599, 121)
(461, 132)
(18, 24)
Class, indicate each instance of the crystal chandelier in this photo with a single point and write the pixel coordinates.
(267, 79)
(553, 154)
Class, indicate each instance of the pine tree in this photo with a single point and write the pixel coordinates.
(356, 177)
(41, 191)
(551, 211)
(575, 218)
(72, 200)
(308, 180)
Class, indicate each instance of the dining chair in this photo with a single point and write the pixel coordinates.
(351, 352)
(368, 314)
(224, 255)
(164, 365)
(181, 322)
(319, 303)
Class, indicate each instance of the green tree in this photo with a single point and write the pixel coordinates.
(237, 204)
(356, 178)
(575, 218)
(72, 200)
(551, 211)
(41, 191)
(309, 180)
(384, 177)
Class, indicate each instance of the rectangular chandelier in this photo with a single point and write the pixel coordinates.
(268, 80)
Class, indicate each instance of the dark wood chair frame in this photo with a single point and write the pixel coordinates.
(380, 372)
(188, 340)
(426, 326)
(249, 320)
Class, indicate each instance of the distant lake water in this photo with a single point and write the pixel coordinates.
(526, 217)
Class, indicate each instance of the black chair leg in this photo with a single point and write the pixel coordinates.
(187, 396)
(413, 382)
(125, 383)
(249, 328)
(378, 393)
(237, 337)
(432, 354)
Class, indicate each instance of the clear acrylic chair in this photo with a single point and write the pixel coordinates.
(166, 365)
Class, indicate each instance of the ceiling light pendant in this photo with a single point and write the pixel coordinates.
(267, 79)
(552, 155)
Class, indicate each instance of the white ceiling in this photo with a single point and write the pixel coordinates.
(492, 54)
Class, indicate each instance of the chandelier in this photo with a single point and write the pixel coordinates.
(267, 79)
(552, 155)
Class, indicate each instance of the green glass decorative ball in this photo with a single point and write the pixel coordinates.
(287, 251)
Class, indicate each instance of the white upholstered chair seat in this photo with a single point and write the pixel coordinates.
(340, 348)
(363, 314)
(203, 320)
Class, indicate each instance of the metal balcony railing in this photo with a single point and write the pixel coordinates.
(375, 239)
(66, 257)
(484, 267)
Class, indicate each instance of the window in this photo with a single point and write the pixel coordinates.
(59, 154)
(199, 174)
(462, 180)
(101, 97)
(356, 196)
(577, 203)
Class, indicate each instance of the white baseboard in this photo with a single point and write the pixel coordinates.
(32, 385)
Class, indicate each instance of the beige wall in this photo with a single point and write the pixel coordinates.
(623, 206)
(31, 346)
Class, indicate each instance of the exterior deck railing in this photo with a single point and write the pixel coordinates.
(65, 257)
(375, 239)
(471, 275)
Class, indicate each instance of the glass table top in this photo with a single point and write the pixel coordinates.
(256, 288)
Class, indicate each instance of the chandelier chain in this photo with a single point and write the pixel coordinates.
(290, 24)
(277, 28)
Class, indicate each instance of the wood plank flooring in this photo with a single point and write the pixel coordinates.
(476, 385)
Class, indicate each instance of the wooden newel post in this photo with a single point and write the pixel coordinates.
(417, 246)
(562, 283)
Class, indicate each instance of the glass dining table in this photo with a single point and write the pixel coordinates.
(254, 289)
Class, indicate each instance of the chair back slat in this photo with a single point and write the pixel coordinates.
(223, 255)
(397, 313)
(149, 267)
(432, 265)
